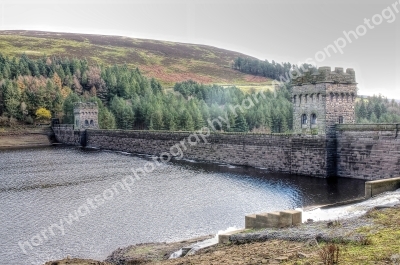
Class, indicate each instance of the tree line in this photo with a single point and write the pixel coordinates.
(127, 99)
(377, 109)
(265, 68)
(32, 88)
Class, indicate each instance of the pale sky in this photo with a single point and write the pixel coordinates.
(280, 30)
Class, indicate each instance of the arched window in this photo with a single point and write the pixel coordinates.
(304, 119)
(91, 122)
(313, 118)
(294, 99)
(341, 119)
(86, 122)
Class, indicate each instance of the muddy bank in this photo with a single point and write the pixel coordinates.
(24, 138)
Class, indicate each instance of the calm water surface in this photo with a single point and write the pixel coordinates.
(63, 201)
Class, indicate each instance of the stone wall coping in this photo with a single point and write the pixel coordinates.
(189, 132)
(368, 127)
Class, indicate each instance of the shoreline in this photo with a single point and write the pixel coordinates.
(21, 138)
(303, 241)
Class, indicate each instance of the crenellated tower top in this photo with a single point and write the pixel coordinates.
(324, 75)
(323, 98)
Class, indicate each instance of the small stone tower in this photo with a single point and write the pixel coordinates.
(322, 98)
(86, 116)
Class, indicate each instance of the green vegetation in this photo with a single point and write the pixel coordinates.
(271, 70)
(129, 100)
(377, 109)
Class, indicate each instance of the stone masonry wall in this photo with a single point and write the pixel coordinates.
(370, 151)
(67, 135)
(309, 99)
(363, 151)
(303, 155)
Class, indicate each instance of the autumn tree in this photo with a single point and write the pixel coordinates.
(42, 114)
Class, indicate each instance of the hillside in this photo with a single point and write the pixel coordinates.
(168, 62)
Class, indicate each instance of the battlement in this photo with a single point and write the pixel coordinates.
(324, 75)
(85, 106)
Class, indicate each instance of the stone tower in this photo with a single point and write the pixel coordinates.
(322, 98)
(86, 116)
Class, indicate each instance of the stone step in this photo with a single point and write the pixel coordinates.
(273, 219)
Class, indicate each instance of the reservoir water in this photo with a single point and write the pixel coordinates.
(61, 201)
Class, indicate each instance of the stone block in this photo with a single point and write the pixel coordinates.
(261, 220)
(250, 221)
(290, 217)
(285, 219)
(273, 219)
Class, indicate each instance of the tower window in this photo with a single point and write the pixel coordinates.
(91, 122)
(313, 119)
(86, 122)
(304, 119)
(341, 120)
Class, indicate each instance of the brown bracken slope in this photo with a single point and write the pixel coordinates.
(169, 62)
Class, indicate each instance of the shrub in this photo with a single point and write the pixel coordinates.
(329, 254)
(43, 114)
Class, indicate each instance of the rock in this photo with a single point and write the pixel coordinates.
(280, 259)
(312, 242)
(302, 255)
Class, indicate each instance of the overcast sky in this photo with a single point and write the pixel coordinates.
(279, 30)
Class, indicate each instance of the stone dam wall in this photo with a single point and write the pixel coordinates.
(304, 155)
(369, 152)
(277, 153)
